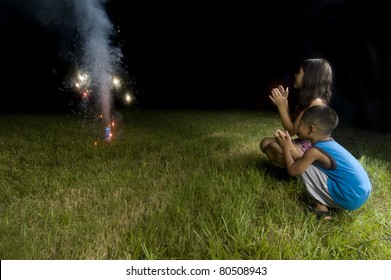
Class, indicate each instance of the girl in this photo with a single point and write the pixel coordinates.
(314, 80)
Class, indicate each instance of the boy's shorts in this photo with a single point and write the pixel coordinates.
(315, 182)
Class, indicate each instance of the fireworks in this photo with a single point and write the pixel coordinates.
(85, 87)
(90, 101)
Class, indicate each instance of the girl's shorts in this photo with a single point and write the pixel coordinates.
(302, 143)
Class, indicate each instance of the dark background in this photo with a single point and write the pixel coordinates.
(205, 55)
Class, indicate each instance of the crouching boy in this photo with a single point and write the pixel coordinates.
(333, 177)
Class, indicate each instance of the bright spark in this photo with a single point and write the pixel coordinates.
(116, 82)
(128, 98)
(83, 77)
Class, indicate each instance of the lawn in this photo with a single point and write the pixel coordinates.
(175, 184)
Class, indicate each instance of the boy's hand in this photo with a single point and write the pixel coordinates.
(283, 139)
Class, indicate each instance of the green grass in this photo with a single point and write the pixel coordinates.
(180, 184)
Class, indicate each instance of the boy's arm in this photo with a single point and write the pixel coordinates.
(297, 167)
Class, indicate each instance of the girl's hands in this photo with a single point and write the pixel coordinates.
(279, 95)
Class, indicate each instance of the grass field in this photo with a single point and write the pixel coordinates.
(179, 184)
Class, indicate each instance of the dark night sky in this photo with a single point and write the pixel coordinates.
(204, 55)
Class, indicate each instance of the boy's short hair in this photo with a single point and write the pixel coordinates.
(323, 117)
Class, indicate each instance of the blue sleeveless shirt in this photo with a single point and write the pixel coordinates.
(348, 183)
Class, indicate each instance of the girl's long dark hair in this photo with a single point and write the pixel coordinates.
(317, 83)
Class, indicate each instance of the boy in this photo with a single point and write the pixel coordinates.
(332, 175)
